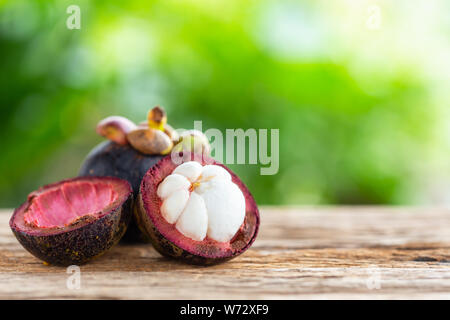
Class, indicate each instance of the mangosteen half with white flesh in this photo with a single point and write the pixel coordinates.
(197, 211)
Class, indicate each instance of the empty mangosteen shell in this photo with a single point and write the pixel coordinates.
(124, 162)
(166, 247)
(81, 244)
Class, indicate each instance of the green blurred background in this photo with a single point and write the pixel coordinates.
(362, 105)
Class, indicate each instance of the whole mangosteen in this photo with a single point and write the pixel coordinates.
(73, 221)
(133, 149)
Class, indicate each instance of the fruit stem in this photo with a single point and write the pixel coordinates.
(194, 185)
(157, 118)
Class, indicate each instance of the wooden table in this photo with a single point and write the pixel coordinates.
(301, 253)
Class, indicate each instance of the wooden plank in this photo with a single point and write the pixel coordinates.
(301, 253)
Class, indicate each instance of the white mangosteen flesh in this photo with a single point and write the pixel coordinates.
(202, 201)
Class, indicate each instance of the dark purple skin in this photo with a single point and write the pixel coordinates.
(124, 162)
(164, 246)
(76, 245)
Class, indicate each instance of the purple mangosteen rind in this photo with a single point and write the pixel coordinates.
(147, 223)
(79, 243)
(122, 161)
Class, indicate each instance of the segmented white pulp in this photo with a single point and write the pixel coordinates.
(202, 201)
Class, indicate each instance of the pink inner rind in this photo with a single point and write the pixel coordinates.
(63, 204)
(208, 248)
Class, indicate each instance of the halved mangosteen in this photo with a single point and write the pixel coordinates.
(73, 221)
(196, 210)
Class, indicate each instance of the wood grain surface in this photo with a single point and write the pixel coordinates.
(301, 253)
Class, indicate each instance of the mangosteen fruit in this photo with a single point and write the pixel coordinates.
(122, 161)
(132, 150)
(196, 210)
(73, 221)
